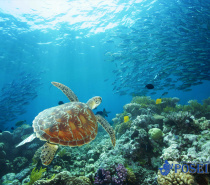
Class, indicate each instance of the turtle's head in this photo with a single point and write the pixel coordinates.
(94, 102)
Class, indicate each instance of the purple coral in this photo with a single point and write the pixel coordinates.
(104, 177)
(121, 174)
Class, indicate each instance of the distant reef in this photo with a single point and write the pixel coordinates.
(150, 137)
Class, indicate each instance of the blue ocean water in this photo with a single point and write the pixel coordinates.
(97, 47)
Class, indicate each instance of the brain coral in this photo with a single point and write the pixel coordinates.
(155, 133)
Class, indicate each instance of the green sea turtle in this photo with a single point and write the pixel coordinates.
(69, 124)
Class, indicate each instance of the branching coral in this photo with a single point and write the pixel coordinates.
(202, 123)
(181, 121)
(121, 129)
(168, 105)
(133, 108)
(206, 102)
(165, 105)
(168, 109)
(143, 100)
(179, 118)
(142, 105)
(170, 102)
(197, 109)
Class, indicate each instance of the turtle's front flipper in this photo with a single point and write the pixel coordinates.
(48, 152)
(67, 91)
(107, 127)
(27, 140)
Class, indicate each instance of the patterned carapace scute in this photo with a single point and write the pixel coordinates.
(70, 124)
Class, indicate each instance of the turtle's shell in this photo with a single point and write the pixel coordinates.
(70, 124)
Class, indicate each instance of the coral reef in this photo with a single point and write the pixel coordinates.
(102, 177)
(147, 103)
(65, 178)
(115, 178)
(180, 122)
(188, 147)
(154, 132)
(144, 101)
(179, 118)
(14, 159)
(20, 163)
(62, 152)
(133, 108)
(202, 123)
(12, 178)
(121, 129)
(197, 109)
(178, 178)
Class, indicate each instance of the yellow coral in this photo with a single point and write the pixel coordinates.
(131, 178)
(173, 178)
(36, 175)
(85, 179)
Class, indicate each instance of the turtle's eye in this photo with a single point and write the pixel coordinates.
(98, 100)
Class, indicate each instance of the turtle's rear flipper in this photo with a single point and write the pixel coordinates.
(105, 124)
(27, 140)
(48, 152)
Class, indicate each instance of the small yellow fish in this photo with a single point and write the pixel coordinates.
(158, 101)
(126, 119)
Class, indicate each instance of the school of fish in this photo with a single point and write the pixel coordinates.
(168, 48)
(15, 96)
